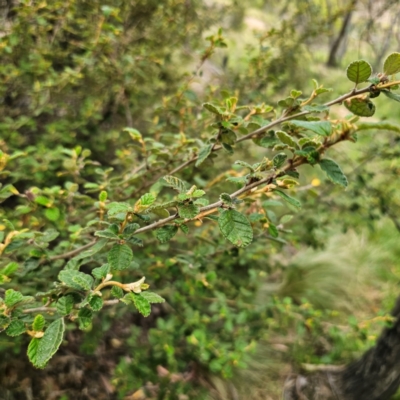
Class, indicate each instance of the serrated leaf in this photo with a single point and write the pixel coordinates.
(175, 183)
(119, 257)
(391, 65)
(16, 328)
(76, 279)
(49, 343)
(226, 199)
(106, 234)
(361, 106)
(235, 227)
(152, 297)
(359, 71)
(141, 303)
(391, 95)
(117, 208)
(204, 152)
(136, 241)
(12, 297)
(316, 109)
(291, 200)
(38, 323)
(322, 128)
(117, 292)
(184, 228)
(33, 350)
(333, 171)
(213, 108)
(96, 302)
(244, 164)
(64, 305)
(101, 272)
(166, 233)
(198, 193)
(286, 139)
(188, 211)
(144, 202)
(85, 317)
(93, 250)
(279, 160)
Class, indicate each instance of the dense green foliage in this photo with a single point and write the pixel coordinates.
(123, 184)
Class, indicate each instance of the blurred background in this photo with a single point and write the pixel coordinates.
(74, 73)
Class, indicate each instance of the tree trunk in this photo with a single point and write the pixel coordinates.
(333, 54)
(375, 376)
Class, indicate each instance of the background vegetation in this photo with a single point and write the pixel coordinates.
(98, 103)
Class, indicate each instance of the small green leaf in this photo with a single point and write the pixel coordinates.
(95, 302)
(38, 323)
(103, 196)
(235, 227)
(50, 342)
(291, 200)
(359, 71)
(93, 250)
(101, 272)
(119, 257)
(244, 164)
(273, 230)
(279, 160)
(213, 108)
(43, 201)
(391, 65)
(106, 234)
(316, 109)
(117, 208)
(64, 305)
(391, 95)
(144, 202)
(141, 303)
(16, 328)
(52, 214)
(85, 317)
(175, 183)
(226, 199)
(204, 152)
(228, 137)
(166, 233)
(9, 268)
(160, 211)
(133, 133)
(152, 297)
(322, 128)
(188, 211)
(184, 228)
(361, 106)
(333, 171)
(12, 297)
(117, 292)
(76, 279)
(286, 139)
(33, 350)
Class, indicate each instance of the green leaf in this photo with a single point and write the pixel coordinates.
(359, 71)
(141, 303)
(152, 297)
(175, 183)
(117, 292)
(106, 234)
(12, 297)
(76, 279)
(160, 211)
(188, 211)
(43, 201)
(273, 230)
(228, 137)
(269, 140)
(184, 228)
(279, 160)
(101, 272)
(391, 95)
(49, 343)
(119, 257)
(95, 302)
(52, 214)
(316, 109)
(16, 328)
(33, 350)
(93, 250)
(9, 268)
(85, 317)
(322, 128)
(204, 152)
(166, 233)
(65, 304)
(333, 171)
(134, 133)
(235, 227)
(103, 196)
(361, 106)
(38, 323)
(144, 202)
(4, 321)
(226, 199)
(286, 139)
(213, 108)
(117, 208)
(244, 164)
(291, 200)
(391, 65)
